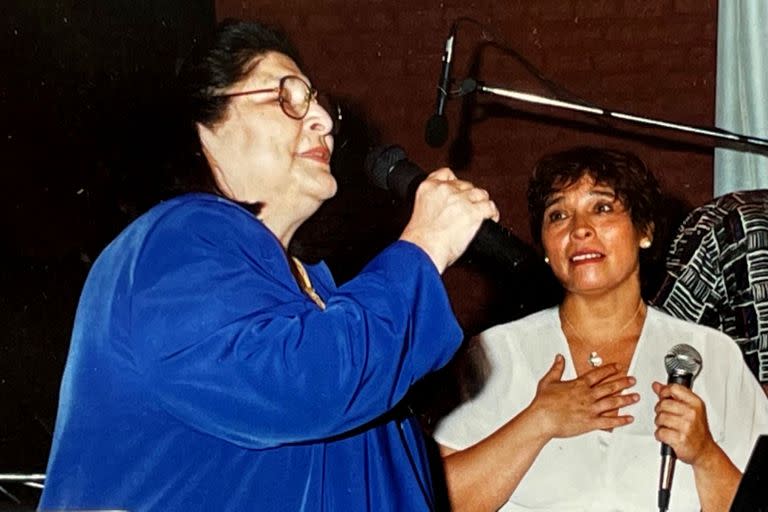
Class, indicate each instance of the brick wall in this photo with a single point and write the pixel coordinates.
(650, 57)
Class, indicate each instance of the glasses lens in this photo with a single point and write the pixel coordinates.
(295, 96)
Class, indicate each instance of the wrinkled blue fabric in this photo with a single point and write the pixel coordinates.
(200, 376)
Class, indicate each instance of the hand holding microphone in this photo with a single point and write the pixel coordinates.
(389, 168)
(681, 418)
(447, 211)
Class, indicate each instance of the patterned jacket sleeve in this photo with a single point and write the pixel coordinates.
(693, 287)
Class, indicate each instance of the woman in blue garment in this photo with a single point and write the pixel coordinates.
(208, 369)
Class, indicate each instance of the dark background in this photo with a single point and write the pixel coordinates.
(82, 97)
(85, 118)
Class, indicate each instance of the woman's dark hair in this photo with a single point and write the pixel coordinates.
(224, 60)
(215, 64)
(635, 186)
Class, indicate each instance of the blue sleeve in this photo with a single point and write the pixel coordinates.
(231, 346)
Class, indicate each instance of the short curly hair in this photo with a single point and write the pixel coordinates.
(635, 186)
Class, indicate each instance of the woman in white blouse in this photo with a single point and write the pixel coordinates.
(575, 406)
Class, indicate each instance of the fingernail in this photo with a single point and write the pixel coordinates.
(632, 381)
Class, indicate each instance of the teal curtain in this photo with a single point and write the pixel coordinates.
(742, 91)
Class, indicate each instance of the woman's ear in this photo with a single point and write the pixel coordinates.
(209, 142)
(207, 138)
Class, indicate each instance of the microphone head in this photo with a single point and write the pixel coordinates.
(682, 361)
(380, 161)
(436, 131)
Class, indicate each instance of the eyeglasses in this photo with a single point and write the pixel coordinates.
(295, 97)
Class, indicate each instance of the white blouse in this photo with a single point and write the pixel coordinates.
(601, 471)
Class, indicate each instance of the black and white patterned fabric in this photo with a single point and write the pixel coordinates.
(717, 272)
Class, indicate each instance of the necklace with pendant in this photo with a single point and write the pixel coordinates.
(594, 358)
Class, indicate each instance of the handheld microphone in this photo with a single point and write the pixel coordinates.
(388, 167)
(683, 364)
(436, 131)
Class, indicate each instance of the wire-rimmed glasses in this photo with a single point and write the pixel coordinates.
(295, 97)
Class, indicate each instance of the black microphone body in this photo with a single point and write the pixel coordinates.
(683, 363)
(436, 131)
(389, 168)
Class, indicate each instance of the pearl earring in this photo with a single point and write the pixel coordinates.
(546, 260)
(645, 243)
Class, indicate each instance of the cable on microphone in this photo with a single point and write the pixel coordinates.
(683, 364)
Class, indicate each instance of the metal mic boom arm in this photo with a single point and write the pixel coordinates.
(757, 144)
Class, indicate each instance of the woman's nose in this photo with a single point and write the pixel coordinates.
(581, 227)
(318, 119)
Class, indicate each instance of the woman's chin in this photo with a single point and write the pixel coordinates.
(326, 186)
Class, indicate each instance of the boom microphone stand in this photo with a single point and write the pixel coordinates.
(732, 140)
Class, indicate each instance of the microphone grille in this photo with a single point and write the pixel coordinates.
(379, 163)
(436, 131)
(683, 360)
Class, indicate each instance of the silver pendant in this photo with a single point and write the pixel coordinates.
(594, 360)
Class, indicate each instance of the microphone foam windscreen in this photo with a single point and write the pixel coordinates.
(436, 131)
(379, 163)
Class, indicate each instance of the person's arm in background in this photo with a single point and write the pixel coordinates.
(695, 287)
(744, 277)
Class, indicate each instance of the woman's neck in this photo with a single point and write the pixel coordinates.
(603, 317)
(602, 330)
(283, 225)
